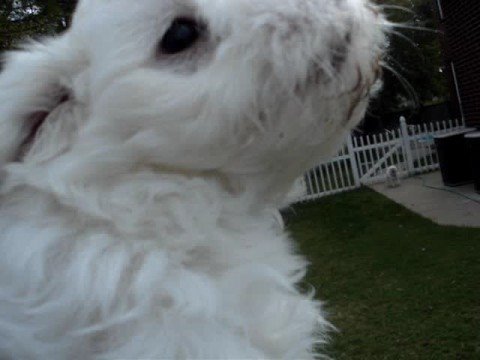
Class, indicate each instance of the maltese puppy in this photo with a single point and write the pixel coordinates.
(392, 177)
(143, 153)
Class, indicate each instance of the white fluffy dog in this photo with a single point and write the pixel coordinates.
(142, 154)
(392, 178)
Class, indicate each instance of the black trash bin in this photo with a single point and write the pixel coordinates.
(454, 158)
(473, 147)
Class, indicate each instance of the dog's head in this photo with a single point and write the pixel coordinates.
(256, 90)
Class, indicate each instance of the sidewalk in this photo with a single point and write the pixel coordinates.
(458, 206)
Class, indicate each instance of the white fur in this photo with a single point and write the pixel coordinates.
(138, 224)
(392, 178)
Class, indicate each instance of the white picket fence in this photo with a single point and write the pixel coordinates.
(363, 160)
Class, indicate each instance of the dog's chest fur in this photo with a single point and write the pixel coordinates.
(138, 256)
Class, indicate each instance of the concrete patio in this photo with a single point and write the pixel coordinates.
(427, 196)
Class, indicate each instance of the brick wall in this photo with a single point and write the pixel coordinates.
(460, 22)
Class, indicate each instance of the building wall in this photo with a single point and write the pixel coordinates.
(460, 22)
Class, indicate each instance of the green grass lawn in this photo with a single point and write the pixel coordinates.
(397, 286)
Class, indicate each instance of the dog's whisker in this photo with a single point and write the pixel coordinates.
(404, 82)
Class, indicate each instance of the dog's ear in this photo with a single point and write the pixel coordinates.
(32, 82)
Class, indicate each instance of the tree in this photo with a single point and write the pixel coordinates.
(21, 19)
(413, 72)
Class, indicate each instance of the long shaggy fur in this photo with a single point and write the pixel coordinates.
(139, 187)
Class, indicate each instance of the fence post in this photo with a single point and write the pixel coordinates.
(353, 161)
(406, 145)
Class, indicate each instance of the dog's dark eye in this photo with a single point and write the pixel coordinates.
(181, 35)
